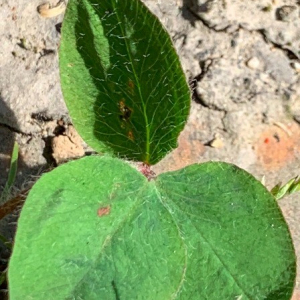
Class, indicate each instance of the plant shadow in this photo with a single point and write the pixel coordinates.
(8, 135)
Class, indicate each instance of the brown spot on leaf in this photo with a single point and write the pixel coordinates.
(125, 111)
(103, 211)
(131, 86)
(130, 135)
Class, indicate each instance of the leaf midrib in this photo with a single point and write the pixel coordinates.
(147, 153)
(157, 192)
(146, 186)
(202, 237)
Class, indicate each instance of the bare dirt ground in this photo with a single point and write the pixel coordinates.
(242, 59)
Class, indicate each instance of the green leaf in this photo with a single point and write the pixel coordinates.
(239, 243)
(292, 186)
(121, 79)
(97, 229)
(81, 238)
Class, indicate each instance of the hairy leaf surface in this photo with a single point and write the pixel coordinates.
(97, 229)
(121, 79)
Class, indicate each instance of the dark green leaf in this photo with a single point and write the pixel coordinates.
(239, 244)
(208, 231)
(95, 235)
(121, 79)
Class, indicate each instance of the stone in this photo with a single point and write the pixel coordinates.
(253, 63)
(29, 60)
(217, 142)
(262, 16)
(287, 13)
(296, 66)
(67, 146)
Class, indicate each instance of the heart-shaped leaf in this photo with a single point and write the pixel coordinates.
(121, 79)
(97, 229)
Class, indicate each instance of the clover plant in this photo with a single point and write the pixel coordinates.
(97, 228)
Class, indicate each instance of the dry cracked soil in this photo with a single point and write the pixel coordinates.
(242, 59)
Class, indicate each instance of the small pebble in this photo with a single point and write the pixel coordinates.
(48, 11)
(287, 13)
(264, 77)
(217, 142)
(296, 66)
(253, 63)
